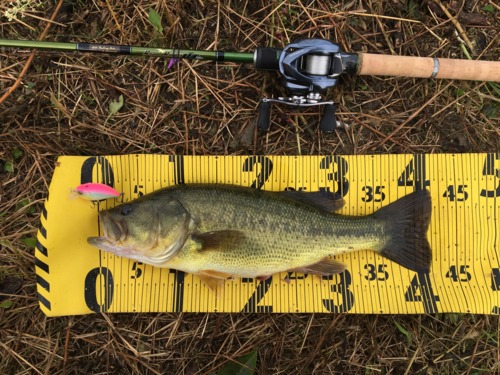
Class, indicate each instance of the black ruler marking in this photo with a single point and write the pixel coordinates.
(41, 248)
(43, 283)
(42, 265)
(428, 298)
(44, 301)
(178, 300)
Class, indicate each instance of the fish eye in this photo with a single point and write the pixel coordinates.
(126, 209)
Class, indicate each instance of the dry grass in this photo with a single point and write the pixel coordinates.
(60, 108)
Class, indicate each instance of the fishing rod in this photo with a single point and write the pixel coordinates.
(307, 68)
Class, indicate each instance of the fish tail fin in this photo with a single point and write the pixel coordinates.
(407, 222)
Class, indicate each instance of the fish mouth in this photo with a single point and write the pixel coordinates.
(114, 232)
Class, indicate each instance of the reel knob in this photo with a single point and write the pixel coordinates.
(329, 120)
(264, 116)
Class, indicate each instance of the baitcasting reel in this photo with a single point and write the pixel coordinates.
(308, 68)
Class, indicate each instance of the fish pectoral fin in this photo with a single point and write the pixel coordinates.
(324, 267)
(219, 240)
(322, 200)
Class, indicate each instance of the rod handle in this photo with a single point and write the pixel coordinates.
(428, 67)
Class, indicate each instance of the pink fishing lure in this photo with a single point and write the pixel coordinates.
(95, 192)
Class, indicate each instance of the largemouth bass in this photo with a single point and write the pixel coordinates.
(223, 231)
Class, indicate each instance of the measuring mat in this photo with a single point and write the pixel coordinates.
(464, 232)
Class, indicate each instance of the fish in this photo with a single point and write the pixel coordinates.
(221, 231)
(94, 192)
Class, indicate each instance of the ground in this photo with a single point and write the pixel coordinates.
(61, 106)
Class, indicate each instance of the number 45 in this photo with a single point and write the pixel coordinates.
(459, 195)
(462, 275)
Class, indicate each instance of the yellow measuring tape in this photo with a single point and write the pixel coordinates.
(464, 233)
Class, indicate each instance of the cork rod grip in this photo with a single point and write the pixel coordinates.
(428, 67)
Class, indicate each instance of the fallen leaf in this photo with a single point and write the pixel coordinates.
(244, 365)
(9, 285)
(115, 105)
(155, 20)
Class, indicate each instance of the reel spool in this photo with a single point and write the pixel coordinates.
(308, 68)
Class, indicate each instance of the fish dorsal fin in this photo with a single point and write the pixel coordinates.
(219, 240)
(322, 200)
(324, 267)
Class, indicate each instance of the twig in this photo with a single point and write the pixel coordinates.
(414, 114)
(113, 15)
(456, 24)
(66, 345)
(382, 29)
(469, 368)
(41, 19)
(296, 122)
(20, 358)
(32, 55)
